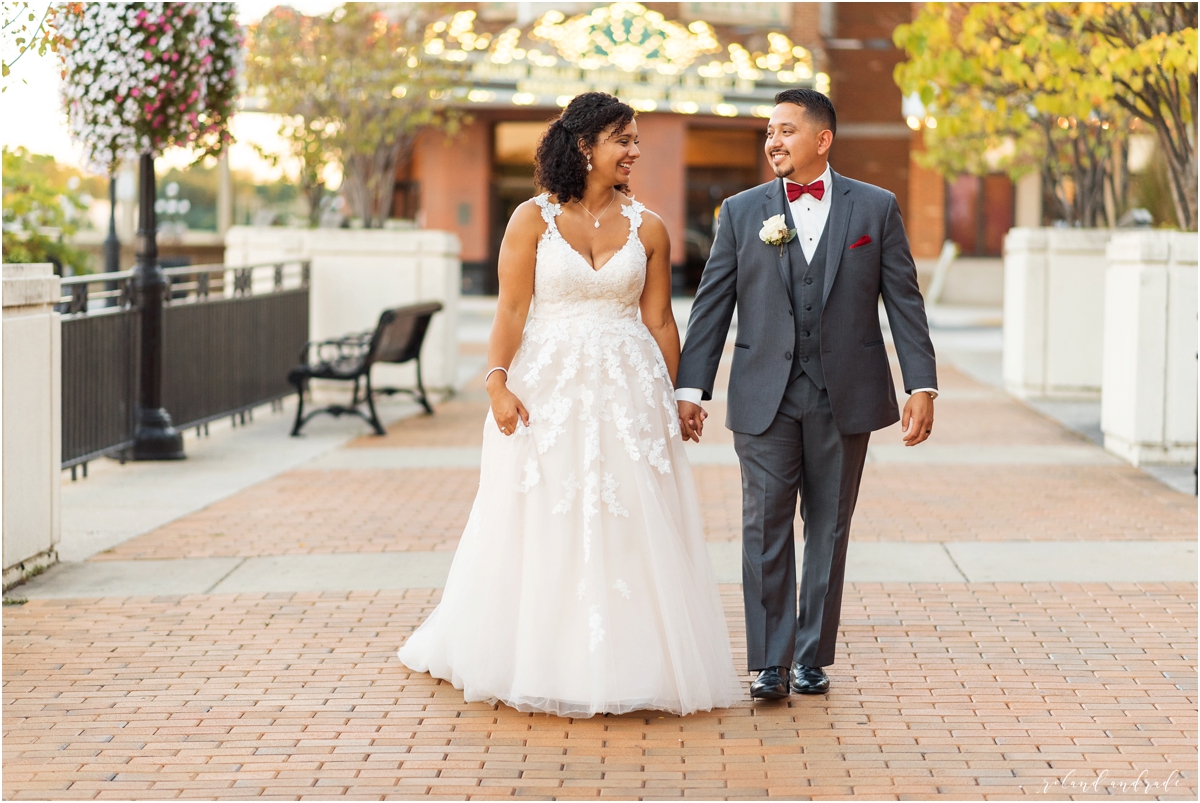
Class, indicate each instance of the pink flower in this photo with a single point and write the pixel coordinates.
(135, 92)
(153, 41)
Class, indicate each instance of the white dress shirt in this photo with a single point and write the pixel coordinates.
(809, 216)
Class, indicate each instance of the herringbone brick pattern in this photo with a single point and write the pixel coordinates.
(309, 511)
(398, 510)
(968, 691)
(457, 422)
(986, 503)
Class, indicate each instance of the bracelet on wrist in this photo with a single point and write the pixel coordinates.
(488, 375)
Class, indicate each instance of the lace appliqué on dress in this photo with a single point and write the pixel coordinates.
(583, 538)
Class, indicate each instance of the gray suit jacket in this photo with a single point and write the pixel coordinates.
(745, 272)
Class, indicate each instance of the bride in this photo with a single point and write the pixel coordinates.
(582, 584)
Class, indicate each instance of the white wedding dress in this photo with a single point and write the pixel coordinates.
(582, 584)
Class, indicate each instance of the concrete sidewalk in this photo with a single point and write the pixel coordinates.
(1020, 620)
(880, 562)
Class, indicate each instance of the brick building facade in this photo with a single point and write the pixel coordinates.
(701, 136)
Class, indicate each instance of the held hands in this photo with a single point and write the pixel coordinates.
(691, 421)
(507, 409)
(917, 420)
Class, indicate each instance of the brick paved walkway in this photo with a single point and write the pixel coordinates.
(967, 690)
(307, 511)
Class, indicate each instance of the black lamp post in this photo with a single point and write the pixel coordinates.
(154, 438)
(112, 245)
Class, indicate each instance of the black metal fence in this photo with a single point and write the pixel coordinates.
(230, 335)
(99, 368)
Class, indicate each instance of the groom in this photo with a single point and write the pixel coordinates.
(810, 378)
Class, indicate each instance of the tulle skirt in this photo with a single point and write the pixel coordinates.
(582, 584)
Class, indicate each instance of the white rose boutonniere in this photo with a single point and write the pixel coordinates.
(775, 232)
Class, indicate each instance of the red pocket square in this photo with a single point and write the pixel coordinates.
(864, 240)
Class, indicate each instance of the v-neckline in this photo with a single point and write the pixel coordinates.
(578, 253)
(583, 259)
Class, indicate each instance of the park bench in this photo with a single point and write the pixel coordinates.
(396, 339)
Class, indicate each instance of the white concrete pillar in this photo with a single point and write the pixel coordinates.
(127, 203)
(358, 273)
(32, 413)
(224, 195)
(1054, 312)
(1029, 201)
(1148, 406)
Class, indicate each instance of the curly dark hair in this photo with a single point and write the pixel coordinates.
(561, 167)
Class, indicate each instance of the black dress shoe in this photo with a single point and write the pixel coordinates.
(771, 684)
(809, 679)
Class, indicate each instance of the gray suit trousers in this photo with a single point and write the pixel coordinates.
(801, 454)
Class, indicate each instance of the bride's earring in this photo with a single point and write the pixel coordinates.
(589, 164)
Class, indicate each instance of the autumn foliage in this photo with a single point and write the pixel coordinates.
(1057, 87)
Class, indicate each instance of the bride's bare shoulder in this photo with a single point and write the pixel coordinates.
(527, 219)
(653, 231)
(650, 218)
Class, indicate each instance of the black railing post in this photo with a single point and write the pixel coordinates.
(155, 438)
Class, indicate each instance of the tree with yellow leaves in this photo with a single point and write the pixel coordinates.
(1054, 87)
(354, 85)
(1141, 57)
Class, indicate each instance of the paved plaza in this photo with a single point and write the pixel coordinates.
(1020, 621)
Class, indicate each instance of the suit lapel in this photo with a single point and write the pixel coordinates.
(776, 204)
(838, 224)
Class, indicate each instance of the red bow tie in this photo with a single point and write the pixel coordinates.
(794, 190)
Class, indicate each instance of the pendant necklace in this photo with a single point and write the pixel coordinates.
(594, 217)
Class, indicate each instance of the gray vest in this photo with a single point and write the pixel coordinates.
(808, 283)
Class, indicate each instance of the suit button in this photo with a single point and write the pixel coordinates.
(808, 306)
(807, 333)
(804, 359)
(808, 280)
(787, 356)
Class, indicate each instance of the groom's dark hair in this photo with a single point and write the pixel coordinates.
(816, 105)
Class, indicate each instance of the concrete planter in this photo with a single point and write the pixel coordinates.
(32, 436)
(358, 273)
(1054, 312)
(1148, 409)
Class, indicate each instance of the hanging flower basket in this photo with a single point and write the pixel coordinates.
(143, 77)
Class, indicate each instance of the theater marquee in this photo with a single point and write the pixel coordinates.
(651, 62)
